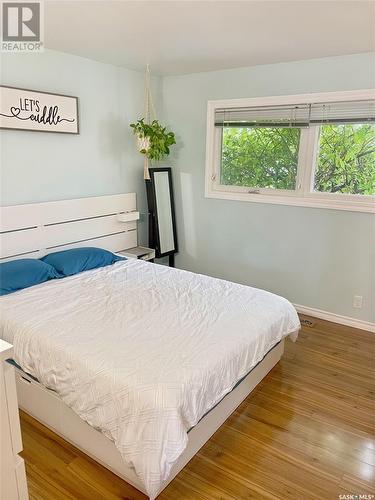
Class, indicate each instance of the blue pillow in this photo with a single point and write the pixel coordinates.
(69, 262)
(22, 273)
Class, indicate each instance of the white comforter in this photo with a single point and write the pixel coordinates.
(142, 351)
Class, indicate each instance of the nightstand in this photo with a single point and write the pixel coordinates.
(142, 253)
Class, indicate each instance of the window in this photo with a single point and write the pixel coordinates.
(260, 157)
(345, 161)
(311, 150)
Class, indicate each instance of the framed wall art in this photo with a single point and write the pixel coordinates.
(22, 109)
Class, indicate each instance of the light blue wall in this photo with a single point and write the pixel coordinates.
(36, 166)
(315, 257)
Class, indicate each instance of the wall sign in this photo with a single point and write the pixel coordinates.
(22, 109)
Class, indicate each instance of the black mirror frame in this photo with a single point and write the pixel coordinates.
(153, 223)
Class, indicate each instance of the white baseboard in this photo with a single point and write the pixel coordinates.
(336, 318)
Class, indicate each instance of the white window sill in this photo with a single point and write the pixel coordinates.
(310, 200)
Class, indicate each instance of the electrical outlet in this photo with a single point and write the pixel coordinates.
(358, 301)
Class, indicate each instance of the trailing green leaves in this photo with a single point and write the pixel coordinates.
(155, 138)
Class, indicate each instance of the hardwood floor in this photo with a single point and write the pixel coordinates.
(307, 431)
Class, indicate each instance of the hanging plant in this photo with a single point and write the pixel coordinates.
(154, 140)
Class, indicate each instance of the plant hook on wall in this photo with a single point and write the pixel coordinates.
(153, 139)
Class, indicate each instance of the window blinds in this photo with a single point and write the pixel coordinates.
(343, 112)
(300, 115)
(266, 116)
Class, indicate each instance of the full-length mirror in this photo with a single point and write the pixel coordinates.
(162, 224)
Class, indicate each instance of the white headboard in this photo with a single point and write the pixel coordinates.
(33, 230)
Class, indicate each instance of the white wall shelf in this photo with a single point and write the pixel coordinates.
(128, 216)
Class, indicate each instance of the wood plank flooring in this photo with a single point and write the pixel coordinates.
(306, 432)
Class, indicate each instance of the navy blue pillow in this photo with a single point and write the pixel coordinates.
(22, 273)
(69, 262)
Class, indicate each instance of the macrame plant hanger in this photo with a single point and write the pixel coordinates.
(149, 115)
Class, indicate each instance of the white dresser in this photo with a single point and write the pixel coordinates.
(13, 484)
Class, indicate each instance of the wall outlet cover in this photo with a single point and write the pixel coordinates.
(358, 301)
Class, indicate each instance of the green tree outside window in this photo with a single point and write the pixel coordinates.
(259, 157)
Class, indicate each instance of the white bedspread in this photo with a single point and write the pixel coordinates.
(142, 351)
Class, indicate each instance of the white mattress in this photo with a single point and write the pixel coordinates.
(142, 351)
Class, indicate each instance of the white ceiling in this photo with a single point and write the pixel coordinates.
(177, 37)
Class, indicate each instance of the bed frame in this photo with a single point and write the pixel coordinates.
(32, 231)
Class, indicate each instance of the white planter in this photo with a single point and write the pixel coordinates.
(143, 143)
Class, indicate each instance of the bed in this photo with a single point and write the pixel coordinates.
(135, 363)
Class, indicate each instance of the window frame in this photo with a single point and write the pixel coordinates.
(303, 195)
